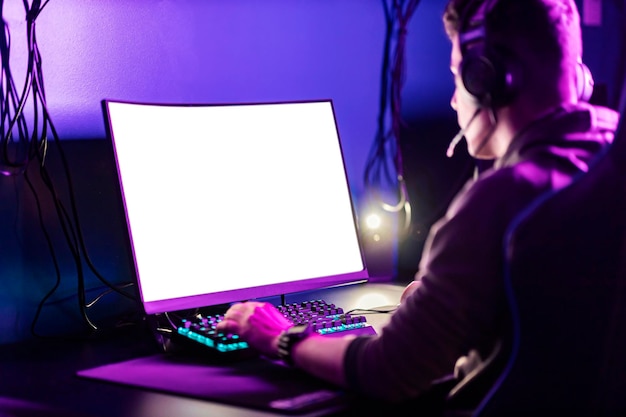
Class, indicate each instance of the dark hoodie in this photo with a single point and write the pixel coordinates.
(461, 305)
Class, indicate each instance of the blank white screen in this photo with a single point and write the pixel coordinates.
(220, 198)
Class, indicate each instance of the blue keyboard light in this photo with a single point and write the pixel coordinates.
(324, 318)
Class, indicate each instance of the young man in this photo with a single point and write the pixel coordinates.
(515, 66)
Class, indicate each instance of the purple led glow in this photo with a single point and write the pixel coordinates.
(187, 51)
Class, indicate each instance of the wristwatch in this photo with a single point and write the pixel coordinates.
(289, 338)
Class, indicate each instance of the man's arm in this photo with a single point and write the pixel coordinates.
(261, 325)
(323, 357)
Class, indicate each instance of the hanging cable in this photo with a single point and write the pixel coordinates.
(384, 166)
(22, 144)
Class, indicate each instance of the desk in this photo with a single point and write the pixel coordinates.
(44, 371)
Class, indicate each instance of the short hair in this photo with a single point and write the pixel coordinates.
(544, 31)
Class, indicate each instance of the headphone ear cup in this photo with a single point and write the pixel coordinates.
(584, 82)
(487, 78)
(478, 75)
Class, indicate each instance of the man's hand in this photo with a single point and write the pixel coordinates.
(410, 289)
(259, 324)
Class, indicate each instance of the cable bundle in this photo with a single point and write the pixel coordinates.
(23, 143)
(384, 164)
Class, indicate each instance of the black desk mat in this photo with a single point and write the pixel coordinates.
(253, 383)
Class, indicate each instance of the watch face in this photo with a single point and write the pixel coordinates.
(299, 329)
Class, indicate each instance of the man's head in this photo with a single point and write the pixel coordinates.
(517, 58)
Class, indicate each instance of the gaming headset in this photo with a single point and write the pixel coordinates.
(486, 74)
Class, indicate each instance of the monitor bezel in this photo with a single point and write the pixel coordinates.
(256, 292)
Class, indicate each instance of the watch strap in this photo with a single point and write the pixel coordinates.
(289, 338)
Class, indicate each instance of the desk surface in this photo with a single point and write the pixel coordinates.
(44, 371)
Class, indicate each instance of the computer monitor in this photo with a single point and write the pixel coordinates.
(231, 202)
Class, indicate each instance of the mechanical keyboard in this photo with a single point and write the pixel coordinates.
(324, 318)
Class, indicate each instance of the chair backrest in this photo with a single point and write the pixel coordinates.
(566, 283)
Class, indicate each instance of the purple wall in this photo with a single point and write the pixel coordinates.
(210, 51)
